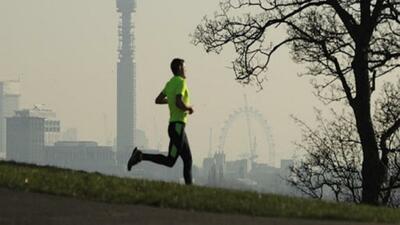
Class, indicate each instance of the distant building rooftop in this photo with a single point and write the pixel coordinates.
(37, 111)
(76, 144)
(10, 88)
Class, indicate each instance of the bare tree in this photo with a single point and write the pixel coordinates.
(348, 43)
(388, 126)
(331, 166)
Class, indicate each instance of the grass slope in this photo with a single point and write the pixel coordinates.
(98, 187)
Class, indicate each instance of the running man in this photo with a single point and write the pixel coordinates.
(176, 95)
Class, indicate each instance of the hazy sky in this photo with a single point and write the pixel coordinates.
(65, 53)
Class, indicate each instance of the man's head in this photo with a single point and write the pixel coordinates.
(178, 67)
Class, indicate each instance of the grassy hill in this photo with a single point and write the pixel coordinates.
(98, 187)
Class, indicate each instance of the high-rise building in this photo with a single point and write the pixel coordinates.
(25, 139)
(9, 102)
(126, 81)
(52, 125)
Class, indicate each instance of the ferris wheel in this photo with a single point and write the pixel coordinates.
(250, 114)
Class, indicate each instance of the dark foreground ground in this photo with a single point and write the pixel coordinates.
(38, 209)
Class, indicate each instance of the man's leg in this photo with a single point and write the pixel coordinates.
(162, 159)
(187, 160)
(175, 131)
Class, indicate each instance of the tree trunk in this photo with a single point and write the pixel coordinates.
(371, 169)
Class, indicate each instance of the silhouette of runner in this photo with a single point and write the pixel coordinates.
(176, 95)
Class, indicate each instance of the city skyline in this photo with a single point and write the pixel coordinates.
(73, 58)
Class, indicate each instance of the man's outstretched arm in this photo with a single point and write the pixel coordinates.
(161, 99)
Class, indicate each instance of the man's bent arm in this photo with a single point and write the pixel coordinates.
(181, 105)
(161, 99)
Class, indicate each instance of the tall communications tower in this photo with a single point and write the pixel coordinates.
(126, 81)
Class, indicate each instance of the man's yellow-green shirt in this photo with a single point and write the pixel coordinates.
(177, 86)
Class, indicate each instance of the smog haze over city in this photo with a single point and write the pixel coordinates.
(65, 54)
